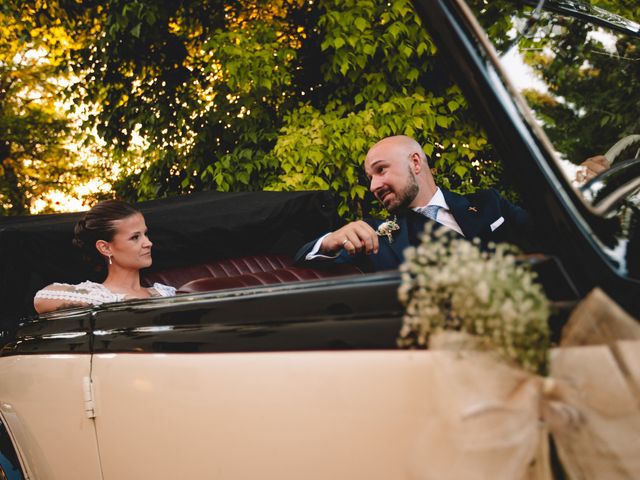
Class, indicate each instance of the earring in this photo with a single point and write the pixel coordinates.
(110, 262)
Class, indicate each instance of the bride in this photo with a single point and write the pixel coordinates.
(114, 234)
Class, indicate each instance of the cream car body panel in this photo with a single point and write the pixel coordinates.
(42, 402)
(313, 415)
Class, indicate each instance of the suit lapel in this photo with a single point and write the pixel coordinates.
(469, 216)
(401, 240)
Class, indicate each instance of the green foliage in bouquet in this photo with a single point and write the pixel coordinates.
(450, 284)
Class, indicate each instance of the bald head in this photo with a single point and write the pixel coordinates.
(401, 144)
(399, 173)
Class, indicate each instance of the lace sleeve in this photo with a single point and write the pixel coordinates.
(85, 293)
(164, 290)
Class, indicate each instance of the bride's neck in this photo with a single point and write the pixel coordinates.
(119, 279)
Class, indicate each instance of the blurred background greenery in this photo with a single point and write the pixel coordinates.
(145, 99)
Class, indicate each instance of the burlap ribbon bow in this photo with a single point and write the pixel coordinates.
(491, 421)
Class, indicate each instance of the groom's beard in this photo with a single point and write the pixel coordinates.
(404, 197)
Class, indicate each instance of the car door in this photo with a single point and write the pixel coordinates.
(288, 382)
(45, 399)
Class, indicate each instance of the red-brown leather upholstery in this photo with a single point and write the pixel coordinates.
(282, 275)
(241, 272)
(218, 269)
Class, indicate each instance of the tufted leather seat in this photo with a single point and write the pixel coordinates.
(226, 268)
(281, 275)
(241, 272)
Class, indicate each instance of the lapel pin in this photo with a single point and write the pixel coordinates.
(473, 209)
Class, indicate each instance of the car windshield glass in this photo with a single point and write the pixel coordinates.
(581, 78)
(578, 68)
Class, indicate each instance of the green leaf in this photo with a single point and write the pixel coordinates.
(428, 149)
(460, 170)
(135, 31)
(394, 30)
(443, 121)
(361, 24)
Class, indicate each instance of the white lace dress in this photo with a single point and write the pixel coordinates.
(94, 293)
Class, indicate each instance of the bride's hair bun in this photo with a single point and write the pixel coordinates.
(99, 224)
(79, 233)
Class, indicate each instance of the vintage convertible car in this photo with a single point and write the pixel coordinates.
(261, 369)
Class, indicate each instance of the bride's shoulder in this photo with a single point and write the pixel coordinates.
(89, 285)
(164, 290)
(86, 286)
(85, 292)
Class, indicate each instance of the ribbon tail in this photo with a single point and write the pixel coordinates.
(594, 407)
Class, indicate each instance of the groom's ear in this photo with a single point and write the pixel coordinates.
(416, 163)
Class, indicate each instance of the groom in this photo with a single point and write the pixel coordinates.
(400, 178)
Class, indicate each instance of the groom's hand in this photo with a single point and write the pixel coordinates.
(354, 237)
(591, 168)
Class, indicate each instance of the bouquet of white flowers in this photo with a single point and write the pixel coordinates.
(450, 284)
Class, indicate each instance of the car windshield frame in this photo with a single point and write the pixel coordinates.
(571, 224)
(590, 13)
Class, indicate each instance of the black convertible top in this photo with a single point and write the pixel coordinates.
(36, 250)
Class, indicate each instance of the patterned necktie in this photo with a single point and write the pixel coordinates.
(432, 211)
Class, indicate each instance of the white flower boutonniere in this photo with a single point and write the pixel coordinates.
(386, 229)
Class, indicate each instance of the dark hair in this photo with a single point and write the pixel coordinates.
(99, 224)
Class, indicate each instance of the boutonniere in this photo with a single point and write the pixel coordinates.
(386, 229)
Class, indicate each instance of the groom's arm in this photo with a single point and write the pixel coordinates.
(352, 239)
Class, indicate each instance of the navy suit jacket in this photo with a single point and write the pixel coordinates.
(485, 215)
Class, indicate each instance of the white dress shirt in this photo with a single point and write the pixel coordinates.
(444, 216)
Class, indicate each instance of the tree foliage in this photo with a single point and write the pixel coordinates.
(264, 95)
(195, 94)
(34, 135)
(384, 79)
(203, 84)
(186, 95)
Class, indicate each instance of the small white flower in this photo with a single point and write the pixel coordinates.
(482, 291)
(410, 255)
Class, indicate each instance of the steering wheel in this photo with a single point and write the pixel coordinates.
(620, 146)
(621, 179)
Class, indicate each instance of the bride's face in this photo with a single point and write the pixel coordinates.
(130, 246)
